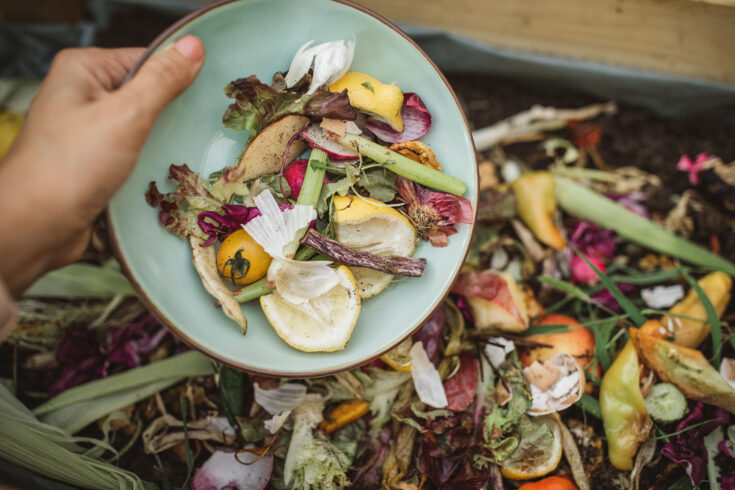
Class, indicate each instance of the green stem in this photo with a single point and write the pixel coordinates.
(313, 179)
(309, 195)
(403, 166)
(252, 291)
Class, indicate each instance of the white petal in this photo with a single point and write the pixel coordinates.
(275, 229)
(662, 296)
(282, 399)
(220, 424)
(300, 64)
(331, 61)
(274, 423)
(497, 349)
(426, 378)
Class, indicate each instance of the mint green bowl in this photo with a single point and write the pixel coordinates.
(260, 37)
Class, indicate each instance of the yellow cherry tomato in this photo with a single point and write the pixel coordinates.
(241, 260)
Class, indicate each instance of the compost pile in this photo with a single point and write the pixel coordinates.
(586, 343)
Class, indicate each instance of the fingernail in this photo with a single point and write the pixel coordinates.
(191, 47)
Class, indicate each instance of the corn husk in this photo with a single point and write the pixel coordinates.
(78, 407)
(53, 453)
(81, 281)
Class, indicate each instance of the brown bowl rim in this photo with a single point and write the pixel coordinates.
(165, 321)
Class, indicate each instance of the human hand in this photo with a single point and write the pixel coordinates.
(80, 142)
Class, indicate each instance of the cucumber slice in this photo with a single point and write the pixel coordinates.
(666, 403)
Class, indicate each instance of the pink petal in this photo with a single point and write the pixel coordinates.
(685, 163)
(583, 273)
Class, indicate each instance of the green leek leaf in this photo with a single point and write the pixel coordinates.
(580, 201)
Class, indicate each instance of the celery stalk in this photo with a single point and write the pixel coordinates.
(309, 195)
(403, 166)
(313, 179)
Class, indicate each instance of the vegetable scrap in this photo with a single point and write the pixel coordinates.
(365, 193)
(586, 343)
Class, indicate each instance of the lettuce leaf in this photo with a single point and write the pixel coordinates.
(179, 210)
(313, 462)
(257, 105)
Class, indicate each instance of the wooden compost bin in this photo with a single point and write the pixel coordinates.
(679, 37)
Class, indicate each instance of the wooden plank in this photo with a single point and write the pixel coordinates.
(682, 37)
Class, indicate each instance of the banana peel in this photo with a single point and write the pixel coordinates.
(686, 368)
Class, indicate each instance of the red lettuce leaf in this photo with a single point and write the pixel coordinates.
(461, 387)
(257, 105)
(688, 447)
(416, 122)
(84, 355)
(430, 334)
(178, 211)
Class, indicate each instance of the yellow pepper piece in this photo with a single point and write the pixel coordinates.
(537, 205)
(373, 97)
(691, 333)
(343, 414)
(624, 413)
(687, 368)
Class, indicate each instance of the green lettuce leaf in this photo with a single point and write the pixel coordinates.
(341, 187)
(381, 390)
(380, 184)
(313, 462)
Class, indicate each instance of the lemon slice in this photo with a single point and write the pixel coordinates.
(537, 463)
(399, 358)
(368, 225)
(380, 100)
(321, 324)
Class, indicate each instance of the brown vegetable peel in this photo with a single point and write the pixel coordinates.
(205, 262)
(686, 368)
(396, 265)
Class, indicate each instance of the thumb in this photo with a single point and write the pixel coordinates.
(165, 76)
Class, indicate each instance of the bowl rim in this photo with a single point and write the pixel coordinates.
(171, 326)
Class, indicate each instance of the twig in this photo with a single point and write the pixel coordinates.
(536, 119)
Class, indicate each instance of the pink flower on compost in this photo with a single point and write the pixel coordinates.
(686, 164)
(583, 273)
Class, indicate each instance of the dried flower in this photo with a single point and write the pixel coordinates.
(434, 213)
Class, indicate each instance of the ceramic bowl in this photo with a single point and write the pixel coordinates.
(260, 37)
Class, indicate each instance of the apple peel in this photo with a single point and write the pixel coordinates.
(496, 300)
